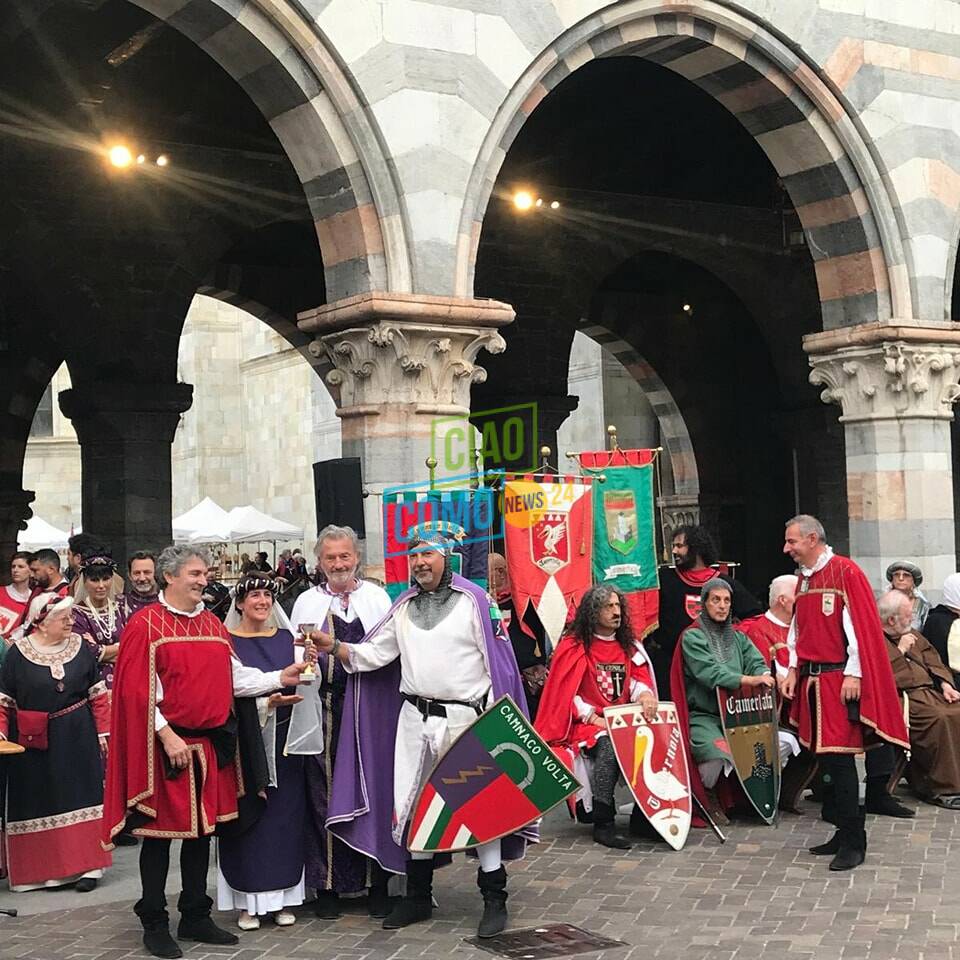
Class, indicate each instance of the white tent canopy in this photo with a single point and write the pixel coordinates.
(207, 522)
(40, 534)
(250, 525)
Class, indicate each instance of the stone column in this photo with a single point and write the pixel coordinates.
(402, 368)
(896, 386)
(14, 513)
(125, 433)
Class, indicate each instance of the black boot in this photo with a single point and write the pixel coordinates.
(582, 815)
(827, 849)
(378, 901)
(605, 830)
(797, 774)
(640, 826)
(204, 930)
(327, 905)
(493, 886)
(417, 904)
(853, 844)
(378, 897)
(880, 801)
(156, 931)
(158, 942)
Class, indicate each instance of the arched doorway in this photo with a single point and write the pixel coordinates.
(114, 252)
(620, 177)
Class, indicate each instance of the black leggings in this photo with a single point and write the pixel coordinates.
(606, 770)
(194, 904)
(840, 772)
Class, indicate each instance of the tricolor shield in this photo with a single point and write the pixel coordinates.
(497, 777)
(620, 519)
(749, 718)
(654, 764)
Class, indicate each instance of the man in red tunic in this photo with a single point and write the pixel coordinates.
(769, 630)
(599, 663)
(174, 772)
(840, 680)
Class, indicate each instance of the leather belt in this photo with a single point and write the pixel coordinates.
(815, 669)
(438, 708)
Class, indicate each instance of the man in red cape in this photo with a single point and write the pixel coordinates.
(174, 770)
(597, 664)
(844, 696)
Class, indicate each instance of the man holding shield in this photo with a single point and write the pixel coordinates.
(713, 655)
(598, 664)
(405, 705)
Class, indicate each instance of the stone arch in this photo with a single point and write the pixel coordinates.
(310, 102)
(280, 324)
(806, 130)
(673, 427)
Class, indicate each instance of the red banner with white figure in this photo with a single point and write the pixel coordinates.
(548, 527)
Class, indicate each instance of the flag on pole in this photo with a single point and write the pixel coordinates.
(624, 530)
(548, 531)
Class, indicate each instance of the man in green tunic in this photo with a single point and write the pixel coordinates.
(716, 655)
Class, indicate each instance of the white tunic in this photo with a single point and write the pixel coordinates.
(445, 663)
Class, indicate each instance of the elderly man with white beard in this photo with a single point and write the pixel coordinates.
(345, 607)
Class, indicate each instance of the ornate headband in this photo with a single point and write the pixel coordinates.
(256, 583)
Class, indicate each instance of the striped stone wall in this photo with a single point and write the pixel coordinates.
(397, 115)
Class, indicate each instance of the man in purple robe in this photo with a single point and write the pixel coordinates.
(345, 607)
(404, 708)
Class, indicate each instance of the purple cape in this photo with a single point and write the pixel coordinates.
(361, 802)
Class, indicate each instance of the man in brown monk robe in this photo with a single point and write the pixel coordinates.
(934, 771)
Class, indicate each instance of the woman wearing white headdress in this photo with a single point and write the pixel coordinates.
(260, 871)
(54, 703)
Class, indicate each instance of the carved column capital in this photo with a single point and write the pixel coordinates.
(405, 349)
(885, 373)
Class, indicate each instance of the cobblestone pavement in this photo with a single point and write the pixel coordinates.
(760, 894)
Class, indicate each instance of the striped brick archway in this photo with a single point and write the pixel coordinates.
(277, 57)
(803, 127)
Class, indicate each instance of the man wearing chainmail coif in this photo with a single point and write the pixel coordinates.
(454, 659)
(712, 654)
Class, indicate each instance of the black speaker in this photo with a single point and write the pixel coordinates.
(338, 488)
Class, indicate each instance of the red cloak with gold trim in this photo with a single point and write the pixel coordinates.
(818, 613)
(190, 657)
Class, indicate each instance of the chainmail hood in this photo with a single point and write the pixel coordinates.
(429, 607)
(721, 636)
